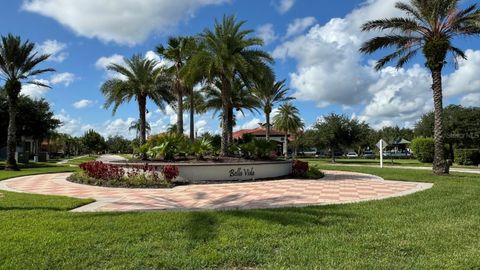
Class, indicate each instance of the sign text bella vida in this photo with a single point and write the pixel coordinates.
(241, 172)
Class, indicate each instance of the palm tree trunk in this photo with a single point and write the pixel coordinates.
(192, 115)
(11, 164)
(267, 129)
(285, 146)
(440, 166)
(142, 103)
(180, 110)
(226, 104)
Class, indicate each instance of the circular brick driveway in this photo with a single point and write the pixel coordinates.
(337, 187)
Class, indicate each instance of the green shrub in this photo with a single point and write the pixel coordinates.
(314, 173)
(201, 147)
(167, 145)
(423, 149)
(467, 156)
(258, 149)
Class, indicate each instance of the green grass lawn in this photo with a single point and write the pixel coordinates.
(75, 161)
(386, 162)
(435, 229)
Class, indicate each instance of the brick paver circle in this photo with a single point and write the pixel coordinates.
(336, 188)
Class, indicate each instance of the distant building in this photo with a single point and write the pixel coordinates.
(259, 133)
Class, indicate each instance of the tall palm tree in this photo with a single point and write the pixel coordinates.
(428, 26)
(288, 120)
(228, 52)
(18, 64)
(179, 50)
(196, 104)
(270, 93)
(241, 98)
(144, 78)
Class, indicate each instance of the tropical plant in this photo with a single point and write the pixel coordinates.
(429, 26)
(201, 147)
(288, 120)
(144, 78)
(167, 145)
(241, 100)
(18, 65)
(228, 52)
(269, 93)
(178, 51)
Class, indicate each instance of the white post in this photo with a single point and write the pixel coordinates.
(381, 153)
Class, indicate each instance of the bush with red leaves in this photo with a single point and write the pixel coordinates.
(170, 172)
(100, 170)
(299, 168)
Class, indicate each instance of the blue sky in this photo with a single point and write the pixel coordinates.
(315, 44)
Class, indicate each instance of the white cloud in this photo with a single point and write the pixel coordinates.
(200, 126)
(119, 127)
(35, 91)
(121, 21)
(471, 100)
(267, 33)
(65, 78)
(399, 97)
(70, 125)
(105, 61)
(298, 26)
(253, 123)
(465, 79)
(55, 49)
(83, 103)
(282, 6)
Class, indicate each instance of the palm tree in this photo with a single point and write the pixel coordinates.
(241, 99)
(429, 26)
(135, 125)
(228, 52)
(144, 78)
(18, 62)
(288, 120)
(269, 93)
(179, 50)
(196, 104)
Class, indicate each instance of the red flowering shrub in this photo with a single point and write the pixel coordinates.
(170, 172)
(299, 168)
(100, 170)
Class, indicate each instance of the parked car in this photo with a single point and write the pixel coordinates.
(352, 155)
(368, 154)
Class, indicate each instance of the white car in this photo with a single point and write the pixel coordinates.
(352, 155)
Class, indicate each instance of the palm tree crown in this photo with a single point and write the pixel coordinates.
(288, 120)
(18, 62)
(429, 26)
(269, 93)
(143, 78)
(227, 53)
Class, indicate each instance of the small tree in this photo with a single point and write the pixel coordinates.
(93, 141)
(337, 131)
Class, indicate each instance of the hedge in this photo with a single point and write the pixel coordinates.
(467, 156)
(423, 149)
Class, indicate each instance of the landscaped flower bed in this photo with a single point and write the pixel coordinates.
(100, 174)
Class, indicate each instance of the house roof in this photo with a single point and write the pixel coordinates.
(256, 132)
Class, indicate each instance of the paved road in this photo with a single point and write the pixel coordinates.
(111, 158)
